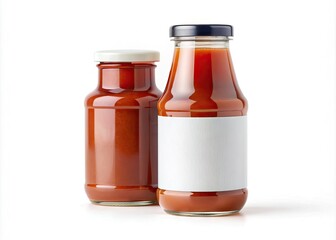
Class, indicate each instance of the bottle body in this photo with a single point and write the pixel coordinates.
(121, 135)
(203, 103)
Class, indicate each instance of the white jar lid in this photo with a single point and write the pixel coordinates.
(127, 56)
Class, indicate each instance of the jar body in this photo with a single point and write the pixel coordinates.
(121, 136)
(203, 102)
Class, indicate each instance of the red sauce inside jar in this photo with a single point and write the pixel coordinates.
(121, 135)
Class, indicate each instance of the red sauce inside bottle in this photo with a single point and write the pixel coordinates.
(202, 83)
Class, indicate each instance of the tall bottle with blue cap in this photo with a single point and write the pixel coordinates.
(202, 127)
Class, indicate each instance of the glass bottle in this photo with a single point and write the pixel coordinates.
(202, 126)
(121, 130)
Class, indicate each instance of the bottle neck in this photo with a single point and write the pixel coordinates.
(126, 76)
(202, 68)
(202, 42)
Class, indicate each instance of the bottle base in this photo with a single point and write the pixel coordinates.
(202, 203)
(124, 204)
(202, 214)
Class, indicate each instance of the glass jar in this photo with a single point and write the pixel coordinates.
(202, 126)
(121, 130)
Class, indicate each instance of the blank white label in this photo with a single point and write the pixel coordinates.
(202, 154)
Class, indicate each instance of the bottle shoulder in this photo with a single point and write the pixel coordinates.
(170, 106)
(99, 98)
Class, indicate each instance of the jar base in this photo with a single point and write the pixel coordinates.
(124, 204)
(202, 214)
(109, 195)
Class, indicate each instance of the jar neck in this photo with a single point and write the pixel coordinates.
(126, 76)
(202, 42)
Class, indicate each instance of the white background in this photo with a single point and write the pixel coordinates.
(284, 56)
